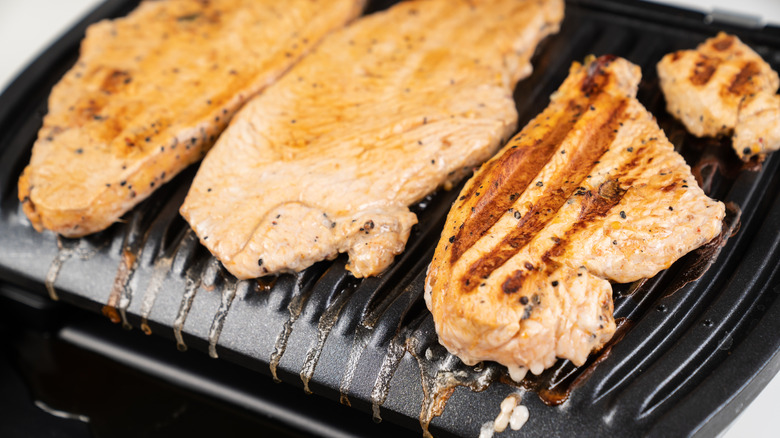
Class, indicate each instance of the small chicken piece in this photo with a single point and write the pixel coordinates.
(758, 126)
(589, 192)
(329, 159)
(720, 86)
(151, 92)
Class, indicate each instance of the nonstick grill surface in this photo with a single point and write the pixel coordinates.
(695, 342)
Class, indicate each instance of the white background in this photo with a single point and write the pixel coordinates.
(29, 26)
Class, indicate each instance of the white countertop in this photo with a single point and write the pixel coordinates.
(28, 27)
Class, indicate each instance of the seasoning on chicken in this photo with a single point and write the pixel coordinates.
(589, 192)
(724, 87)
(150, 93)
(382, 113)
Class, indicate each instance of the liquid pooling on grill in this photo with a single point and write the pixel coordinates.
(590, 191)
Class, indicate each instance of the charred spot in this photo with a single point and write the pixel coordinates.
(611, 189)
(669, 187)
(188, 17)
(513, 283)
(596, 77)
(723, 43)
(703, 70)
(529, 266)
(598, 205)
(524, 300)
(114, 81)
(742, 83)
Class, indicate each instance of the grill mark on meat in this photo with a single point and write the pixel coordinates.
(597, 77)
(743, 81)
(671, 186)
(115, 80)
(594, 206)
(598, 205)
(517, 169)
(561, 187)
(723, 43)
(519, 166)
(703, 70)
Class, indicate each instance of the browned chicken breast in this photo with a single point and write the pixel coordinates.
(149, 95)
(724, 87)
(589, 192)
(382, 113)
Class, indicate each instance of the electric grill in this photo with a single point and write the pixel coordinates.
(696, 343)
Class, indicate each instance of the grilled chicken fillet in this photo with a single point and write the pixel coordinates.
(723, 88)
(151, 92)
(589, 192)
(378, 116)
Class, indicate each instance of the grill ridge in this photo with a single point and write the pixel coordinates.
(228, 295)
(191, 286)
(302, 290)
(342, 292)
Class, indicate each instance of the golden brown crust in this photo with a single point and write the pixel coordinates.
(149, 95)
(721, 88)
(384, 112)
(589, 191)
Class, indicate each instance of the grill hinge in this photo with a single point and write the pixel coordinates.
(732, 18)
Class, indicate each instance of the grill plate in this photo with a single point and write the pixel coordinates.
(691, 352)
